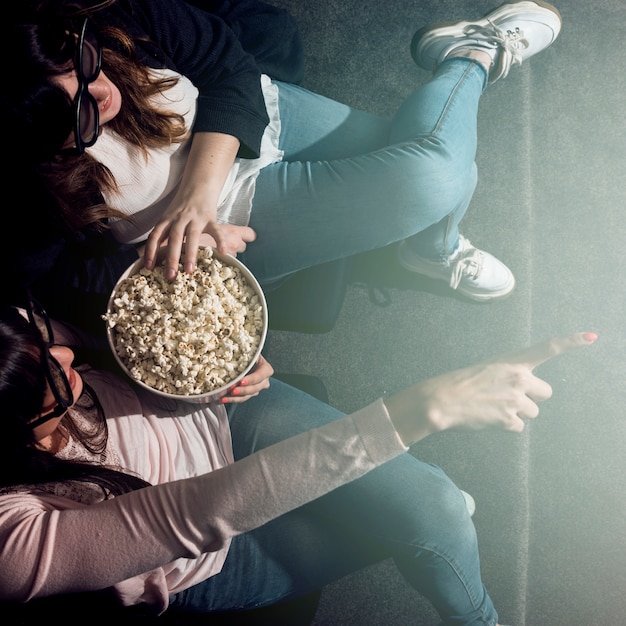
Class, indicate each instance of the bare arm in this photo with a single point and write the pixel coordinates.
(193, 211)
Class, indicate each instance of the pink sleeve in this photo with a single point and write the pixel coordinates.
(49, 548)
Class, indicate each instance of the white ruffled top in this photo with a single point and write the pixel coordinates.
(147, 185)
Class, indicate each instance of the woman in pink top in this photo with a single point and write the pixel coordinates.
(169, 504)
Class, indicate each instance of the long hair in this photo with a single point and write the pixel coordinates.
(22, 389)
(39, 46)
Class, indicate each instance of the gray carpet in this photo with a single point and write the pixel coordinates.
(551, 503)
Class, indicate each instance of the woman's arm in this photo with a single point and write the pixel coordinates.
(85, 548)
(193, 210)
(99, 545)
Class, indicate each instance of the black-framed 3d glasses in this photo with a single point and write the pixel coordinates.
(54, 372)
(87, 64)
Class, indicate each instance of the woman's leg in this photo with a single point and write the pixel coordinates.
(423, 525)
(316, 128)
(352, 182)
(405, 509)
(284, 559)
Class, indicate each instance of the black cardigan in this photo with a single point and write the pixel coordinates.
(222, 46)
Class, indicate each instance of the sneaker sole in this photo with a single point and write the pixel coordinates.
(424, 270)
(470, 503)
(425, 36)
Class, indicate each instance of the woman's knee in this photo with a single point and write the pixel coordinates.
(439, 514)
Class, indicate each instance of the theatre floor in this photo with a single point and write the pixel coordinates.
(551, 503)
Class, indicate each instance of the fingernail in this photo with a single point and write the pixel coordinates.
(243, 383)
(590, 337)
(224, 400)
(189, 268)
(236, 392)
(170, 274)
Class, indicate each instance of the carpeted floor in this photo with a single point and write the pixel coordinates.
(551, 503)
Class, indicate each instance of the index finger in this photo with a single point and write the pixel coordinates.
(153, 245)
(544, 351)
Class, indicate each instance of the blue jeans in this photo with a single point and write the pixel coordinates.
(406, 510)
(351, 181)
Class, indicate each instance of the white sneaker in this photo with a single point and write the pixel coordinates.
(470, 503)
(474, 273)
(512, 33)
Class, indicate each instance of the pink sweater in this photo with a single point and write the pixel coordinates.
(156, 541)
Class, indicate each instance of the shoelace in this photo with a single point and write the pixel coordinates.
(511, 42)
(469, 263)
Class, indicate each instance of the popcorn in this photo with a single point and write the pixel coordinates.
(188, 336)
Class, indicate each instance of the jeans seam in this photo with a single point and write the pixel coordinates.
(450, 563)
(449, 101)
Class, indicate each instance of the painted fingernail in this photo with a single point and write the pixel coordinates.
(243, 383)
(590, 337)
(236, 392)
